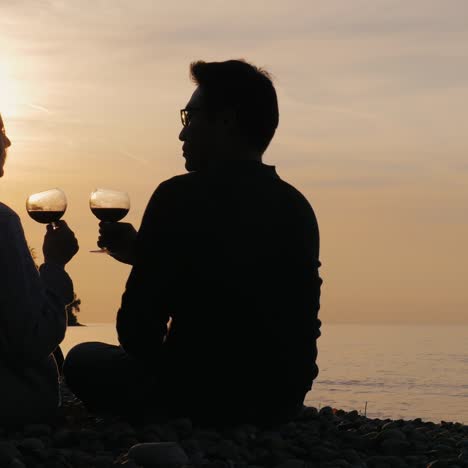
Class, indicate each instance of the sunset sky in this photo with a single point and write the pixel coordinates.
(373, 130)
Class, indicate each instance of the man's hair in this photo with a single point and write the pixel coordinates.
(245, 88)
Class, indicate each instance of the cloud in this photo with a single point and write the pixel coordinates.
(39, 108)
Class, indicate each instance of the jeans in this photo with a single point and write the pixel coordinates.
(110, 381)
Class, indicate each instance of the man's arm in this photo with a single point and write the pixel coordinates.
(146, 302)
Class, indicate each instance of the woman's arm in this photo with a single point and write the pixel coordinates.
(32, 303)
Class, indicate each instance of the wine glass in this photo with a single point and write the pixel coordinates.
(47, 207)
(109, 206)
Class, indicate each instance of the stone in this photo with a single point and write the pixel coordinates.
(326, 411)
(31, 444)
(439, 464)
(37, 430)
(8, 452)
(352, 456)
(64, 438)
(338, 463)
(216, 464)
(378, 461)
(271, 440)
(308, 412)
(227, 449)
(395, 434)
(183, 427)
(395, 447)
(442, 449)
(292, 463)
(416, 460)
(323, 454)
(129, 464)
(353, 415)
(103, 461)
(16, 463)
(463, 443)
(158, 453)
(288, 429)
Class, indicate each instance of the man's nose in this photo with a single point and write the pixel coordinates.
(182, 134)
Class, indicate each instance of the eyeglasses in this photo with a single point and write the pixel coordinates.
(186, 115)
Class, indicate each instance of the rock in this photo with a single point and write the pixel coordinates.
(416, 460)
(31, 444)
(442, 449)
(150, 437)
(308, 412)
(129, 464)
(395, 434)
(159, 453)
(292, 463)
(390, 425)
(338, 463)
(395, 447)
(183, 427)
(418, 435)
(353, 415)
(326, 411)
(463, 443)
(288, 429)
(37, 430)
(271, 440)
(103, 461)
(352, 456)
(439, 464)
(463, 456)
(324, 454)
(379, 461)
(190, 446)
(8, 452)
(64, 438)
(227, 450)
(216, 464)
(16, 463)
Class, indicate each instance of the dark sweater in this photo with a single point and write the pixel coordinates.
(232, 255)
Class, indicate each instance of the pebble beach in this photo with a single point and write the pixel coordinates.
(325, 438)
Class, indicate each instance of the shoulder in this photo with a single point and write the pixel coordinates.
(11, 229)
(8, 218)
(179, 182)
(6, 212)
(294, 194)
(175, 186)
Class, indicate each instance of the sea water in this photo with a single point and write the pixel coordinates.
(387, 371)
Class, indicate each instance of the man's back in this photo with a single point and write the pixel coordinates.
(231, 254)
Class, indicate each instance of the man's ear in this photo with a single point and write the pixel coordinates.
(228, 117)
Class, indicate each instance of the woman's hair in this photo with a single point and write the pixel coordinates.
(245, 88)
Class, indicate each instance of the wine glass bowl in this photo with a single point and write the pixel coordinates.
(109, 206)
(47, 207)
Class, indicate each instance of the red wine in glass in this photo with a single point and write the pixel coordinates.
(110, 215)
(47, 207)
(109, 206)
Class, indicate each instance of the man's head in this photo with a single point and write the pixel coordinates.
(4, 144)
(233, 113)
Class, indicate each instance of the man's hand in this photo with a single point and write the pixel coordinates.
(60, 244)
(119, 240)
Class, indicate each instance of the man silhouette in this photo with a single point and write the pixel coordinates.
(230, 253)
